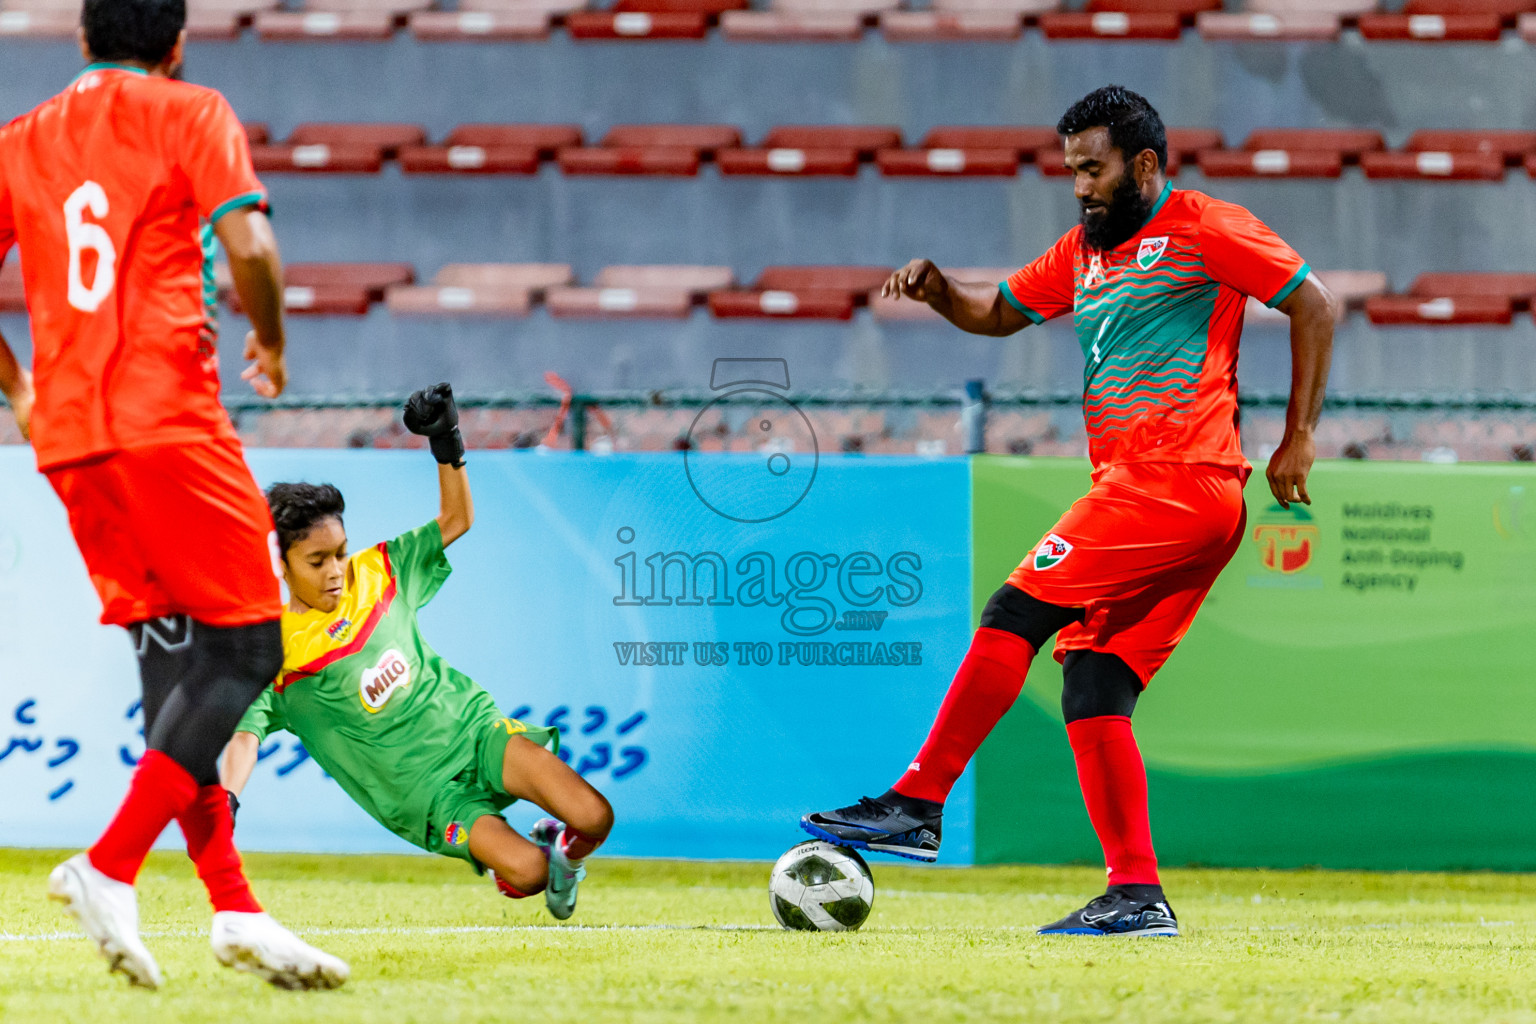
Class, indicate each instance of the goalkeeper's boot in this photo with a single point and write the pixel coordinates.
(108, 911)
(564, 874)
(1132, 911)
(256, 944)
(911, 829)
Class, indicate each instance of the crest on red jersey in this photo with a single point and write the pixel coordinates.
(1151, 251)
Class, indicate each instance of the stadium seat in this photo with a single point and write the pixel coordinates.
(374, 278)
(1346, 10)
(388, 137)
(1291, 153)
(1415, 310)
(710, 8)
(256, 132)
(1186, 9)
(317, 300)
(554, 8)
(1506, 10)
(469, 160)
(1186, 144)
(318, 158)
(1434, 166)
(911, 310)
(1511, 146)
(702, 139)
(1301, 26)
(43, 23)
(808, 305)
(792, 26)
(13, 298)
(1431, 28)
(297, 26)
(867, 9)
(1029, 9)
(394, 8)
(1111, 25)
(1351, 288)
(1518, 288)
(535, 278)
(855, 281)
(490, 26)
(613, 303)
(585, 25)
(1022, 140)
(863, 139)
(789, 160)
(951, 26)
(1526, 26)
(941, 162)
(697, 281)
(458, 300)
(547, 139)
(630, 160)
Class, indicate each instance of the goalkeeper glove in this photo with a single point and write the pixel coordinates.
(431, 413)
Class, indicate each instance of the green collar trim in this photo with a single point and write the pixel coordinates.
(1161, 201)
(107, 65)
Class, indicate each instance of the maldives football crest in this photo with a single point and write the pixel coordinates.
(1151, 251)
(1051, 552)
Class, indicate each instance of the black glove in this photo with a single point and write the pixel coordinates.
(234, 807)
(431, 413)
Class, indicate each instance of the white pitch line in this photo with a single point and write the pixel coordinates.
(442, 930)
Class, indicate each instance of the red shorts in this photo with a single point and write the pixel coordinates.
(174, 530)
(1138, 553)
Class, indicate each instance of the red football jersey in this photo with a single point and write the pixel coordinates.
(1159, 318)
(105, 188)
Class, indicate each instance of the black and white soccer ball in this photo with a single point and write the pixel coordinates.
(817, 886)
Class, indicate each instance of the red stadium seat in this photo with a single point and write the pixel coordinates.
(812, 305)
(1512, 146)
(1297, 27)
(256, 132)
(317, 299)
(1519, 289)
(1506, 10)
(1186, 144)
(1022, 140)
(552, 8)
(1348, 143)
(490, 26)
(1432, 28)
(713, 8)
(1030, 9)
(534, 278)
(1111, 25)
(13, 298)
(616, 303)
(865, 139)
(636, 25)
(40, 24)
(469, 160)
(1434, 166)
(867, 9)
(945, 162)
(1414, 310)
(458, 300)
(792, 26)
(318, 158)
(951, 26)
(1291, 153)
(548, 139)
(855, 281)
(789, 160)
(295, 26)
(1347, 10)
(660, 161)
(388, 137)
(1530, 165)
(703, 139)
(393, 8)
(697, 281)
(374, 278)
(1527, 27)
(1186, 9)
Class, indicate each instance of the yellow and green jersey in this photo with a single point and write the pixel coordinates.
(373, 703)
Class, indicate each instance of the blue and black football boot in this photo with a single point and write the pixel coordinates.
(892, 824)
(1133, 911)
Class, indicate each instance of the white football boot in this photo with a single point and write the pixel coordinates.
(564, 875)
(258, 945)
(108, 911)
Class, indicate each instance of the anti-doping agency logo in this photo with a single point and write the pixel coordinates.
(752, 421)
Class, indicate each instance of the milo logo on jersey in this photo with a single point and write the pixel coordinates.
(379, 683)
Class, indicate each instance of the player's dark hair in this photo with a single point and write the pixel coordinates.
(137, 30)
(296, 508)
(1132, 122)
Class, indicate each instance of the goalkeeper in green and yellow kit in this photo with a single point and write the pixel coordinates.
(420, 747)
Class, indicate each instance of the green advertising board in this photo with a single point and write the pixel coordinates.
(1358, 690)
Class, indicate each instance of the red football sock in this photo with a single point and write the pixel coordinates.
(210, 833)
(159, 791)
(1114, 785)
(576, 845)
(986, 686)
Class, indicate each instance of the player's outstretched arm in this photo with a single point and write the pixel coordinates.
(976, 308)
(239, 760)
(1313, 312)
(432, 413)
(16, 386)
(257, 269)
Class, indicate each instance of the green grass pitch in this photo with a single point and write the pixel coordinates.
(680, 941)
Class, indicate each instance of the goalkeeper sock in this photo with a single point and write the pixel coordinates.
(575, 846)
(985, 687)
(210, 834)
(1114, 782)
(160, 790)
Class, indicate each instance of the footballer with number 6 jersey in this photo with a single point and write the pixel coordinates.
(110, 190)
(420, 747)
(1155, 280)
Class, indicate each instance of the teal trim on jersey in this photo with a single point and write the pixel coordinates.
(1162, 201)
(107, 65)
(1034, 317)
(1290, 286)
(249, 199)
(210, 282)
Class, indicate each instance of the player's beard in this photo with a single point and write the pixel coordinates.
(1123, 217)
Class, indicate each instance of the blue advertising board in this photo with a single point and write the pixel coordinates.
(719, 661)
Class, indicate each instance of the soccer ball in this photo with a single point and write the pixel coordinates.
(816, 886)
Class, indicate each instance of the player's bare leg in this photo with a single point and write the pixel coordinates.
(583, 818)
